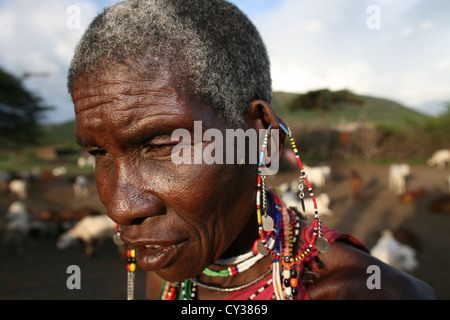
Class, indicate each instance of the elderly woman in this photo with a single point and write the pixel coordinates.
(203, 230)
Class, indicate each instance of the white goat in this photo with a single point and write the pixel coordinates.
(323, 201)
(80, 187)
(59, 171)
(326, 172)
(316, 175)
(391, 251)
(397, 178)
(19, 187)
(86, 161)
(440, 159)
(17, 226)
(89, 229)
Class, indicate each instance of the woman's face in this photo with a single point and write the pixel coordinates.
(179, 217)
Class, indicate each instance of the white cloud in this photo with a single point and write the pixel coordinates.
(313, 26)
(426, 25)
(397, 61)
(312, 44)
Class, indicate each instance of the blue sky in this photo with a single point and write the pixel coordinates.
(393, 49)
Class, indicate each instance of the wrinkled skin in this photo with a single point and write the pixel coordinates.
(181, 218)
(196, 209)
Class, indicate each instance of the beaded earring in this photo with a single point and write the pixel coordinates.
(279, 223)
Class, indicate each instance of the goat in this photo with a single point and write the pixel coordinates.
(356, 184)
(323, 201)
(17, 226)
(397, 178)
(89, 229)
(66, 219)
(411, 196)
(440, 205)
(19, 187)
(80, 187)
(59, 171)
(440, 159)
(391, 251)
(316, 175)
(86, 161)
(326, 170)
(5, 178)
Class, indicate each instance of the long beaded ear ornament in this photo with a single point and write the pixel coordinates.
(276, 223)
(131, 263)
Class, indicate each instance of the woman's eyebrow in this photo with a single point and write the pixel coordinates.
(84, 142)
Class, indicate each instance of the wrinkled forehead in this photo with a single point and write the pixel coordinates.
(122, 75)
(115, 87)
(119, 103)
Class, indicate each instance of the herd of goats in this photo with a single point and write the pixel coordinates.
(18, 224)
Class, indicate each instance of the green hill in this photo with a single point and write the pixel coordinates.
(375, 110)
(379, 111)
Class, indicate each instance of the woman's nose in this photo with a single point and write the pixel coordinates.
(132, 200)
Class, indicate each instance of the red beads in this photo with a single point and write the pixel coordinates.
(131, 266)
(294, 282)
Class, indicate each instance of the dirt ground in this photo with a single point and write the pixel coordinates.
(41, 272)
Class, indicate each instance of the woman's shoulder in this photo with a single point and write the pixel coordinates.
(346, 272)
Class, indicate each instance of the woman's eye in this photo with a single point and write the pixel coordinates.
(97, 152)
(159, 150)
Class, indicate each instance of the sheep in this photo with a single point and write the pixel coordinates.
(391, 251)
(80, 187)
(17, 226)
(19, 187)
(323, 201)
(397, 178)
(89, 229)
(440, 159)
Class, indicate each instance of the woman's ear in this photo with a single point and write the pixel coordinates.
(261, 115)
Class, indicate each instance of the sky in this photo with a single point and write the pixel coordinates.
(394, 49)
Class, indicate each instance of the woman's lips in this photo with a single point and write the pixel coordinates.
(152, 255)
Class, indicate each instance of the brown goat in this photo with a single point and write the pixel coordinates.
(411, 196)
(441, 204)
(356, 184)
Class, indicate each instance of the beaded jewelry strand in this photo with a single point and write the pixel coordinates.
(131, 263)
(131, 268)
(265, 223)
(278, 233)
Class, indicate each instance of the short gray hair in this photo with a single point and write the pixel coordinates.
(212, 48)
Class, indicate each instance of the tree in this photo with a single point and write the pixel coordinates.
(323, 100)
(20, 111)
